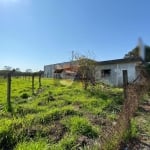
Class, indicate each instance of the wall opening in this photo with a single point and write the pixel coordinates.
(105, 73)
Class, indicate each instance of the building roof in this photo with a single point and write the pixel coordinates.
(118, 61)
(107, 62)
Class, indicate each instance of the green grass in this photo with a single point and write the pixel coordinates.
(81, 126)
(57, 116)
(32, 145)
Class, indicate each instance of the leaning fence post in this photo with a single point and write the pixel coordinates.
(9, 92)
(32, 84)
(125, 82)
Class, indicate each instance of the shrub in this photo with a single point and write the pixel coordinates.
(24, 96)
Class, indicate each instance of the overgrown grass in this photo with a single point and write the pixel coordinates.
(32, 145)
(58, 113)
(81, 126)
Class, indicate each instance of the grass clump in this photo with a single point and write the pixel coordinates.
(24, 95)
(22, 111)
(54, 114)
(81, 126)
(32, 145)
(67, 143)
(7, 140)
(132, 132)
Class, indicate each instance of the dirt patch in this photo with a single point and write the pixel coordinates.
(57, 131)
(83, 141)
(102, 122)
(134, 144)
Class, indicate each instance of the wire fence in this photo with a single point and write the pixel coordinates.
(111, 137)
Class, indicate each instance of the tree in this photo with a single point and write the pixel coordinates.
(7, 68)
(17, 70)
(29, 70)
(133, 53)
(86, 70)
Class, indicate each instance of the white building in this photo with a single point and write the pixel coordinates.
(110, 71)
(107, 71)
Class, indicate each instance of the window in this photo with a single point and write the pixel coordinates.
(105, 73)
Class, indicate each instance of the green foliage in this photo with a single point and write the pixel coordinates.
(68, 142)
(86, 70)
(132, 132)
(6, 139)
(24, 95)
(133, 53)
(33, 145)
(133, 129)
(22, 111)
(61, 122)
(81, 126)
(54, 114)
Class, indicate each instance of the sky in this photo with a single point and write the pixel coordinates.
(34, 33)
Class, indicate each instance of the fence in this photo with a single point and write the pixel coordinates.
(111, 137)
(11, 74)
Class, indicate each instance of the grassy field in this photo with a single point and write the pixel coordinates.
(60, 116)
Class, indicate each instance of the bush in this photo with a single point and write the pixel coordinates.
(24, 96)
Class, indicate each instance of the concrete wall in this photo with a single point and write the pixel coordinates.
(116, 77)
(49, 69)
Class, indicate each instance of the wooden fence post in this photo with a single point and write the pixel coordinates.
(125, 82)
(32, 84)
(9, 108)
(40, 79)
